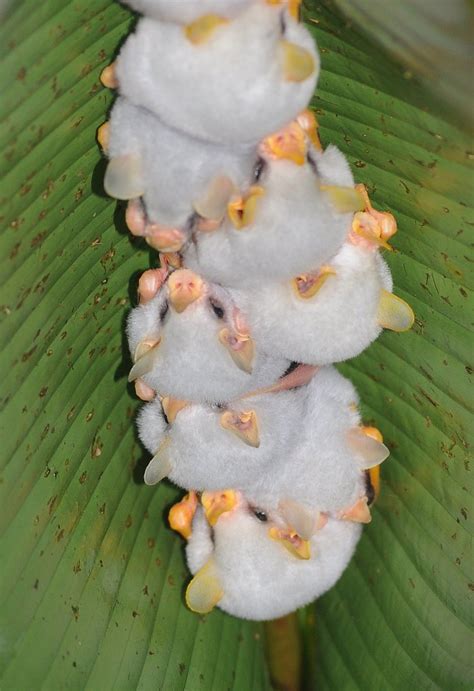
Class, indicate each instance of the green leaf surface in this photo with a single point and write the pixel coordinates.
(401, 616)
(433, 39)
(92, 579)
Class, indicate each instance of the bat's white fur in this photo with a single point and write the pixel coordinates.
(185, 11)
(205, 456)
(216, 90)
(191, 363)
(322, 471)
(260, 578)
(304, 455)
(177, 168)
(337, 323)
(295, 227)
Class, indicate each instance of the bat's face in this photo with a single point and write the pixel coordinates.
(190, 342)
(172, 172)
(184, 75)
(324, 316)
(254, 566)
(284, 221)
(211, 447)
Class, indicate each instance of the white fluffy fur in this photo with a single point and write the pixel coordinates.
(295, 227)
(177, 168)
(185, 11)
(322, 471)
(217, 90)
(191, 363)
(337, 323)
(304, 455)
(205, 456)
(260, 578)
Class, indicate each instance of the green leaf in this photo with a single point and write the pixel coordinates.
(400, 616)
(92, 578)
(432, 39)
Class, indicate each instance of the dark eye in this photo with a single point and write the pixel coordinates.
(312, 163)
(217, 308)
(164, 310)
(261, 515)
(259, 168)
(282, 23)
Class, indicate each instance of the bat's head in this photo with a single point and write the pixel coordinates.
(324, 465)
(198, 77)
(284, 222)
(209, 447)
(190, 341)
(252, 564)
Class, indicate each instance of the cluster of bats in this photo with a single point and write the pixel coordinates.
(270, 272)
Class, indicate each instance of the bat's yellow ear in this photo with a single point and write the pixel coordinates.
(159, 467)
(244, 425)
(205, 590)
(240, 347)
(358, 512)
(144, 358)
(213, 203)
(365, 444)
(345, 200)
(307, 285)
(243, 208)
(123, 177)
(298, 63)
(299, 518)
(394, 313)
(292, 542)
(217, 503)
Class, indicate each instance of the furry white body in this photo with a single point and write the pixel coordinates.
(205, 456)
(322, 471)
(191, 363)
(185, 11)
(177, 169)
(337, 323)
(259, 577)
(296, 227)
(217, 91)
(304, 455)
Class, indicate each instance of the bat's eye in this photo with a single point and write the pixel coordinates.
(312, 163)
(259, 168)
(261, 515)
(164, 310)
(217, 308)
(282, 23)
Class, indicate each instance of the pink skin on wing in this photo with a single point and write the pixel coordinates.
(299, 377)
